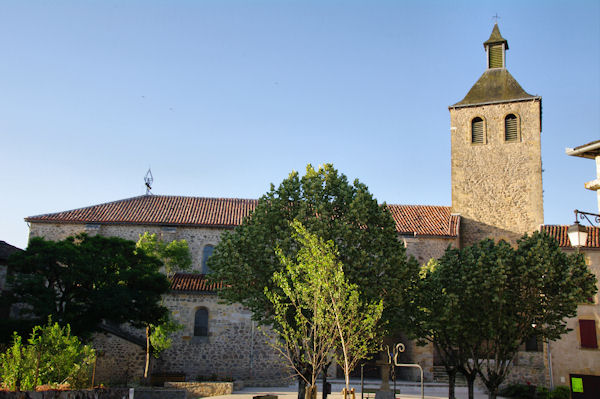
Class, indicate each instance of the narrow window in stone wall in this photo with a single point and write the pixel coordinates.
(533, 344)
(511, 131)
(587, 334)
(201, 323)
(477, 134)
(206, 253)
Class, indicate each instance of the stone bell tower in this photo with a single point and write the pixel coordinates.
(496, 153)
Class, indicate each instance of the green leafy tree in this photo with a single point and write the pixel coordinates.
(175, 255)
(52, 357)
(432, 318)
(304, 320)
(158, 338)
(539, 291)
(84, 280)
(480, 303)
(329, 206)
(327, 311)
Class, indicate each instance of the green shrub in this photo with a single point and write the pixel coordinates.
(52, 356)
(542, 393)
(523, 391)
(560, 392)
(518, 391)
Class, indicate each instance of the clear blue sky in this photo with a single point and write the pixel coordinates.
(222, 98)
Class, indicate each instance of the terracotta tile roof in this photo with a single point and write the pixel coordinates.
(6, 250)
(425, 220)
(560, 234)
(193, 282)
(229, 212)
(159, 209)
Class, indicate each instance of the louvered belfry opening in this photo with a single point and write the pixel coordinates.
(477, 131)
(510, 128)
(496, 56)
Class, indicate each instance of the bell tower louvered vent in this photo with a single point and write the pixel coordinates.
(495, 48)
(496, 56)
(477, 131)
(511, 128)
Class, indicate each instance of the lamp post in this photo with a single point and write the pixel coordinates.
(577, 233)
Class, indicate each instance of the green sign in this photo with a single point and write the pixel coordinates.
(577, 384)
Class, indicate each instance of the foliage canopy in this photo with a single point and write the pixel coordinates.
(329, 206)
(84, 280)
(319, 314)
(52, 356)
(175, 255)
(484, 301)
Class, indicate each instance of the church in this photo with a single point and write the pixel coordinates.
(495, 133)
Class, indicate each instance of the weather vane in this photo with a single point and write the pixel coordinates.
(496, 17)
(148, 179)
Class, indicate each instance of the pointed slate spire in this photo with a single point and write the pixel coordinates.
(495, 38)
(495, 48)
(496, 85)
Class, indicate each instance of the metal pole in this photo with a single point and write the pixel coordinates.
(251, 348)
(550, 364)
(421, 369)
(362, 380)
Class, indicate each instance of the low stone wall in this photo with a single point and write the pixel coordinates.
(159, 393)
(202, 389)
(112, 393)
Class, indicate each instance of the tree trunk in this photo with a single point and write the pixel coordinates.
(301, 387)
(147, 353)
(471, 384)
(311, 392)
(325, 380)
(451, 383)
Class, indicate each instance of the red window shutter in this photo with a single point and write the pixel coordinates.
(587, 333)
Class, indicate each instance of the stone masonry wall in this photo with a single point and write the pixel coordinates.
(234, 348)
(119, 361)
(197, 238)
(497, 186)
(202, 389)
(425, 248)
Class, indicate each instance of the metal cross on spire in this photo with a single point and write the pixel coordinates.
(497, 17)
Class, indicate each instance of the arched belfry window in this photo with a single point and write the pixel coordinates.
(477, 131)
(201, 323)
(511, 128)
(206, 253)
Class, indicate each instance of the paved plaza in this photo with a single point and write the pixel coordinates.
(404, 390)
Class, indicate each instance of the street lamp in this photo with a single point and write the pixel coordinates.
(578, 233)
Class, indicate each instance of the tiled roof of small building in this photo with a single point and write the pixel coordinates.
(425, 220)
(560, 234)
(230, 212)
(6, 250)
(193, 282)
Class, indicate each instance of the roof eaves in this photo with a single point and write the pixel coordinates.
(457, 105)
(31, 219)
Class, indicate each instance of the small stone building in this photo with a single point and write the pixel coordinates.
(578, 352)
